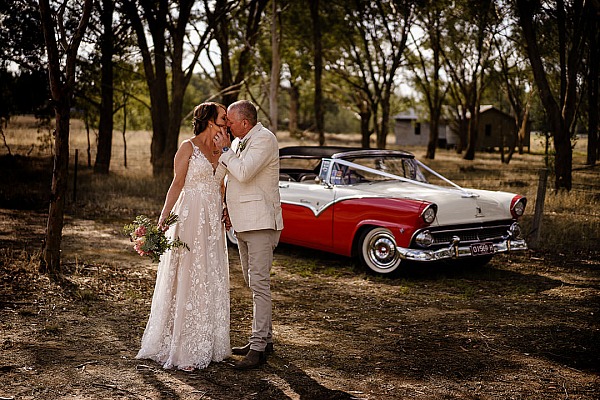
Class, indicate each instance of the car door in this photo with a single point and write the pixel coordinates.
(307, 214)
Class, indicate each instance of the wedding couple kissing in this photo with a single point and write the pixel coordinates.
(217, 184)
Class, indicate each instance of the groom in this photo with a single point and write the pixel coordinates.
(254, 207)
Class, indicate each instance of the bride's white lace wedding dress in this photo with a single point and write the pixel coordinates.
(189, 318)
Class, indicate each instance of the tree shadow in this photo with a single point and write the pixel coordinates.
(301, 383)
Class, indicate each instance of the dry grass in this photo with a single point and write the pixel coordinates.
(571, 222)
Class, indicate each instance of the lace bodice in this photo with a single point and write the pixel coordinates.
(200, 175)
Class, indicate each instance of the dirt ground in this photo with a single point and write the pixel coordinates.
(524, 327)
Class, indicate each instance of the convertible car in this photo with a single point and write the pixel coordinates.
(387, 208)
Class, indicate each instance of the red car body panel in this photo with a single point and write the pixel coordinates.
(335, 229)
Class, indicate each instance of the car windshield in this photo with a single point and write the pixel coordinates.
(398, 166)
(373, 169)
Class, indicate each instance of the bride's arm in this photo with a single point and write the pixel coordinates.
(180, 168)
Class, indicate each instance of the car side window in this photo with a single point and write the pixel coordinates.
(338, 174)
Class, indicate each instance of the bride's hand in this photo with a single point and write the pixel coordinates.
(161, 224)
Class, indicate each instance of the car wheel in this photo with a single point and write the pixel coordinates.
(377, 251)
(231, 239)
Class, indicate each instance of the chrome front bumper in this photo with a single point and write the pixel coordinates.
(455, 250)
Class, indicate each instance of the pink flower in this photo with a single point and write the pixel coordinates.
(140, 231)
(138, 246)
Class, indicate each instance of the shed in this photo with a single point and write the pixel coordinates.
(411, 129)
(496, 129)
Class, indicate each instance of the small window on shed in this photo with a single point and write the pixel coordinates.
(417, 128)
(488, 130)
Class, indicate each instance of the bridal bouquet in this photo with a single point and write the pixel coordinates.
(149, 240)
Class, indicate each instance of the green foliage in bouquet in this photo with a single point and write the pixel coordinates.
(149, 239)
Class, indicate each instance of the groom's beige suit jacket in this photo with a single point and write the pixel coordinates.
(252, 193)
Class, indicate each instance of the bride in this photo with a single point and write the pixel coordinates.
(188, 325)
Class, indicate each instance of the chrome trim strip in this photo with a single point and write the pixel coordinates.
(455, 251)
(327, 205)
(307, 205)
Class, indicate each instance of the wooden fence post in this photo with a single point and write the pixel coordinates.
(539, 206)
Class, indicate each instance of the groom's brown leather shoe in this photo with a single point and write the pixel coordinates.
(252, 360)
(242, 351)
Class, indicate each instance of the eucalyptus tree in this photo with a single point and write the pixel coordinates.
(236, 37)
(372, 52)
(96, 95)
(318, 69)
(275, 65)
(297, 60)
(515, 74)
(171, 36)
(64, 25)
(425, 61)
(468, 56)
(113, 25)
(556, 35)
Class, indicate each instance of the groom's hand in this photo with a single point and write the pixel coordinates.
(222, 139)
(225, 219)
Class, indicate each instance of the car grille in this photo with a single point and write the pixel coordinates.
(470, 233)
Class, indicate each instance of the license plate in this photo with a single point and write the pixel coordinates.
(481, 249)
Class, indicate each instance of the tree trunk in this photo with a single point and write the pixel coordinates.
(168, 33)
(385, 123)
(229, 83)
(434, 95)
(61, 89)
(556, 120)
(434, 121)
(593, 149)
(472, 135)
(318, 65)
(123, 133)
(222, 38)
(160, 131)
(51, 252)
(294, 106)
(105, 128)
(275, 67)
(86, 120)
(365, 134)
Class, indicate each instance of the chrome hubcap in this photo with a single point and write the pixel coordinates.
(382, 251)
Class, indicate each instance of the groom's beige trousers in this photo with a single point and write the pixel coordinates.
(256, 255)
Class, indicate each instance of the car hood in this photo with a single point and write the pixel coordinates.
(454, 206)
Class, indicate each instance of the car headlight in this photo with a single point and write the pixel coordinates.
(424, 239)
(518, 206)
(429, 213)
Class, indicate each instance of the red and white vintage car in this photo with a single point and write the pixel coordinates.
(386, 207)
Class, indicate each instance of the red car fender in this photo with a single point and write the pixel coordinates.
(353, 216)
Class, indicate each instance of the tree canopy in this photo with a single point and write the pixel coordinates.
(344, 57)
